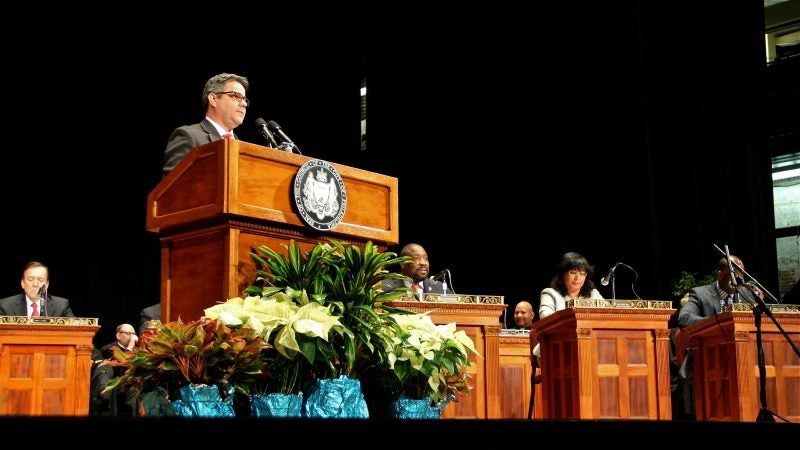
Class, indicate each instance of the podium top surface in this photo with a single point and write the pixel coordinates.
(231, 180)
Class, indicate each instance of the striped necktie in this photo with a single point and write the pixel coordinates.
(35, 312)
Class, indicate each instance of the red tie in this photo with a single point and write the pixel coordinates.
(415, 287)
(35, 312)
(227, 136)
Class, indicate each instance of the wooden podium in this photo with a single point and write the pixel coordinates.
(515, 376)
(229, 196)
(45, 365)
(726, 373)
(479, 317)
(606, 359)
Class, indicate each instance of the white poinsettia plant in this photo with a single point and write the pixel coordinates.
(430, 360)
(290, 329)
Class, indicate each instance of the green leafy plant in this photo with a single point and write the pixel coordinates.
(688, 280)
(430, 361)
(297, 335)
(346, 279)
(175, 354)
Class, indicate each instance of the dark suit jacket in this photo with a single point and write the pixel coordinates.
(429, 286)
(704, 302)
(152, 312)
(53, 307)
(183, 139)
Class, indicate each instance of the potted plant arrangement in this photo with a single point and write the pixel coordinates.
(430, 365)
(296, 337)
(199, 364)
(310, 330)
(346, 280)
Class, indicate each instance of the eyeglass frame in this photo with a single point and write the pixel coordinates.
(239, 97)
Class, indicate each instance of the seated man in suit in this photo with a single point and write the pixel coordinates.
(34, 300)
(418, 271)
(119, 402)
(704, 301)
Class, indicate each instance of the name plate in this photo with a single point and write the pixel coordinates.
(630, 304)
(49, 320)
(457, 298)
(773, 307)
(515, 332)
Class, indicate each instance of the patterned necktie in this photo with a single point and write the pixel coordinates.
(415, 287)
(35, 312)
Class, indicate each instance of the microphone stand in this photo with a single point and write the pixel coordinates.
(764, 414)
(613, 285)
(614, 277)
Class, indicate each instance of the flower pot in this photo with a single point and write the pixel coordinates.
(407, 408)
(201, 400)
(336, 398)
(276, 405)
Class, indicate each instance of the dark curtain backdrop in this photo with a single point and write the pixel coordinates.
(628, 132)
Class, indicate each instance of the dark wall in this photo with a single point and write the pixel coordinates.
(627, 133)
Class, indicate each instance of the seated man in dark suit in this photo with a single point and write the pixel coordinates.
(418, 271)
(119, 402)
(704, 301)
(35, 301)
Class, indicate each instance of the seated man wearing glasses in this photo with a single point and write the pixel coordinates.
(123, 403)
(225, 103)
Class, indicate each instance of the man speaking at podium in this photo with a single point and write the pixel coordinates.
(225, 103)
(34, 301)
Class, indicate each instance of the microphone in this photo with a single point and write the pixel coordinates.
(604, 281)
(264, 130)
(440, 276)
(287, 143)
(42, 297)
(732, 280)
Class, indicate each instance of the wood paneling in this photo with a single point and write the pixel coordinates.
(44, 368)
(726, 373)
(605, 363)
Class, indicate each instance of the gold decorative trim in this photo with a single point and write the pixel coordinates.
(458, 298)
(630, 304)
(77, 321)
(747, 307)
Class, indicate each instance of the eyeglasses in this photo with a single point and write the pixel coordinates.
(577, 272)
(128, 332)
(239, 97)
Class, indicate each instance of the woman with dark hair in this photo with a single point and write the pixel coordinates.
(572, 281)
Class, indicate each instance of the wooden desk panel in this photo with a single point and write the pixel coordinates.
(515, 379)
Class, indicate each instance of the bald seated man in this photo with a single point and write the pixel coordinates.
(523, 315)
